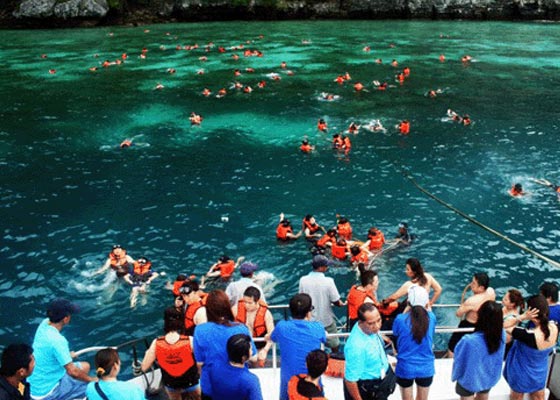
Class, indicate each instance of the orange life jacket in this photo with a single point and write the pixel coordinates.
(404, 127)
(177, 358)
(515, 193)
(337, 142)
(282, 232)
(345, 230)
(355, 299)
(226, 269)
(325, 239)
(312, 228)
(190, 313)
(117, 261)
(376, 242)
(293, 393)
(338, 251)
(259, 325)
(361, 257)
(142, 269)
(306, 148)
(322, 126)
(176, 286)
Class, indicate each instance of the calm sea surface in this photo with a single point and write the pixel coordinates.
(183, 195)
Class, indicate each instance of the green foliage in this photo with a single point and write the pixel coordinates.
(115, 4)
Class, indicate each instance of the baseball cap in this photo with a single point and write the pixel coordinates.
(60, 308)
(418, 296)
(247, 268)
(320, 261)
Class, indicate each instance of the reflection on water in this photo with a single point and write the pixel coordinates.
(69, 192)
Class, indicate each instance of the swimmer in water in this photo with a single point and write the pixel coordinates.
(195, 119)
(453, 116)
(322, 125)
(404, 127)
(206, 92)
(517, 190)
(353, 128)
(126, 143)
(549, 184)
(140, 275)
(375, 126)
(284, 230)
(306, 147)
(159, 86)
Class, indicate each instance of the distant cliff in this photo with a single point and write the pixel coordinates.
(64, 13)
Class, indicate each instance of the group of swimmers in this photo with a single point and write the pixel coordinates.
(340, 242)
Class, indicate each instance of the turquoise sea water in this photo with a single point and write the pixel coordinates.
(69, 192)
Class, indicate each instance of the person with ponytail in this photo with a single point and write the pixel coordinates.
(210, 339)
(527, 362)
(414, 331)
(108, 366)
(477, 364)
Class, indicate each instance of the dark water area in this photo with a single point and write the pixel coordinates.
(183, 195)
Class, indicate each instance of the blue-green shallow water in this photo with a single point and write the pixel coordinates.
(69, 192)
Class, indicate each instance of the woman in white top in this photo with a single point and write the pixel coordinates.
(415, 272)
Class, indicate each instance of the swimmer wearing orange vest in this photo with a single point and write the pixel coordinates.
(337, 141)
(322, 125)
(306, 147)
(346, 144)
(358, 87)
(206, 92)
(466, 120)
(404, 127)
(441, 58)
(353, 128)
(126, 143)
(406, 72)
(284, 230)
(221, 93)
(394, 63)
(517, 190)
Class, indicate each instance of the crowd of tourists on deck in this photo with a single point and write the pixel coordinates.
(210, 338)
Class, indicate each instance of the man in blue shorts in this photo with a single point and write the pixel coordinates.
(55, 376)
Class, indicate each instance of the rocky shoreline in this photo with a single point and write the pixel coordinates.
(89, 13)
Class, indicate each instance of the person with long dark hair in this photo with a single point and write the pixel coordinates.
(108, 366)
(414, 331)
(477, 364)
(174, 354)
(527, 362)
(210, 339)
(415, 272)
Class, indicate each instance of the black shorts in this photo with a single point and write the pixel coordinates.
(422, 382)
(461, 391)
(458, 335)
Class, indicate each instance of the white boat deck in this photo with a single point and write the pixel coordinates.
(441, 389)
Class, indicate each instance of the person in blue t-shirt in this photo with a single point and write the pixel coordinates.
(55, 375)
(414, 331)
(297, 338)
(210, 339)
(108, 366)
(235, 381)
(477, 362)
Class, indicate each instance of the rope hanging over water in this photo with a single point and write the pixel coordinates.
(480, 224)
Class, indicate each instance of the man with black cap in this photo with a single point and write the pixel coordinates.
(235, 289)
(56, 376)
(324, 294)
